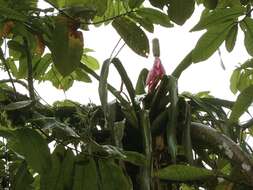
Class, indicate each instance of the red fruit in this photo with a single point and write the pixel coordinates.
(155, 74)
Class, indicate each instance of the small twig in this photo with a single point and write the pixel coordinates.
(90, 23)
(221, 61)
(115, 48)
(29, 70)
(60, 11)
(111, 18)
(8, 71)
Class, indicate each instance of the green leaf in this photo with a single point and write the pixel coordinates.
(145, 172)
(155, 16)
(90, 61)
(180, 10)
(159, 4)
(210, 4)
(112, 180)
(247, 27)
(50, 123)
(144, 22)
(133, 35)
(71, 45)
(124, 77)
(135, 3)
(102, 88)
(173, 115)
(243, 101)
(231, 38)
(186, 137)
(12, 14)
(18, 105)
(218, 16)
(85, 176)
(141, 82)
(23, 178)
(61, 175)
(80, 75)
(30, 144)
(211, 41)
(184, 173)
(135, 158)
(234, 79)
(41, 67)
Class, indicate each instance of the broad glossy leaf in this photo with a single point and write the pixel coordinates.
(86, 176)
(23, 178)
(144, 22)
(90, 61)
(211, 41)
(160, 4)
(18, 105)
(243, 101)
(234, 79)
(135, 3)
(210, 4)
(80, 75)
(50, 123)
(133, 35)
(217, 17)
(112, 180)
(231, 38)
(12, 14)
(63, 41)
(155, 16)
(180, 10)
(30, 144)
(184, 173)
(61, 175)
(141, 82)
(247, 27)
(135, 158)
(41, 67)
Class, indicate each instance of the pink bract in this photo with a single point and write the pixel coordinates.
(155, 74)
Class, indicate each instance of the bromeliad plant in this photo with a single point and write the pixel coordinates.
(149, 138)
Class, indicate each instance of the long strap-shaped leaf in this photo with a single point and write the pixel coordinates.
(102, 88)
(128, 110)
(146, 171)
(123, 74)
(173, 114)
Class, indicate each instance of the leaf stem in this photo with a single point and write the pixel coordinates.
(29, 70)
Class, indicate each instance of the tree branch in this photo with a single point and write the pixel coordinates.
(224, 145)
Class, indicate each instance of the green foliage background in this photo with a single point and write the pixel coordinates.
(159, 140)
